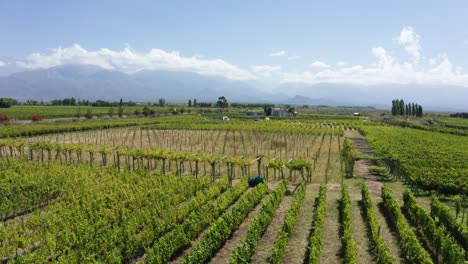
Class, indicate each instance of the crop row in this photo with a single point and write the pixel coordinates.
(427, 160)
(224, 226)
(316, 239)
(47, 128)
(121, 212)
(244, 250)
(284, 235)
(444, 216)
(146, 158)
(182, 234)
(409, 243)
(279, 125)
(445, 247)
(24, 186)
(384, 256)
(347, 239)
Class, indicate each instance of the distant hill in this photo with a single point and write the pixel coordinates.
(433, 97)
(304, 100)
(92, 82)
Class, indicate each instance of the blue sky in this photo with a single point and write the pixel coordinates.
(314, 40)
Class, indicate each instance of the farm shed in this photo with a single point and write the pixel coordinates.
(280, 112)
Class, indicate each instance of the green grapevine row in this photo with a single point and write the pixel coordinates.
(347, 240)
(444, 245)
(409, 243)
(442, 214)
(24, 186)
(246, 248)
(284, 126)
(41, 129)
(120, 211)
(427, 160)
(182, 235)
(146, 158)
(316, 239)
(384, 256)
(224, 226)
(440, 129)
(284, 235)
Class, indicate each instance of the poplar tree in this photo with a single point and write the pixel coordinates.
(402, 107)
(394, 108)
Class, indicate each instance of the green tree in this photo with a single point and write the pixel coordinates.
(194, 102)
(190, 103)
(6, 102)
(146, 111)
(120, 111)
(222, 102)
(394, 107)
(402, 107)
(162, 102)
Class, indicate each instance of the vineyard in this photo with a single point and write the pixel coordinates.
(175, 189)
(25, 111)
(430, 161)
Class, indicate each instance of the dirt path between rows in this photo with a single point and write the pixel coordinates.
(223, 254)
(265, 244)
(359, 226)
(300, 237)
(187, 250)
(331, 230)
(375, 189)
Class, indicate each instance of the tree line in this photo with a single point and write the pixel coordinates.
(410, 109)
(7, 102)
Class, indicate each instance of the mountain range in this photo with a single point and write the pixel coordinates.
(93, 83)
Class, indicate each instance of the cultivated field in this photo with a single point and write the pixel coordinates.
(174, 190)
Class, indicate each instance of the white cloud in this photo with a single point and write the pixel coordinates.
(265, 70)
(384, 60)
(294, 57)
(279, 53)
(342, 63)
(384, 69)
(410, 40)
(130, 61)
(319, 64)
(2, 64)
(387, 70)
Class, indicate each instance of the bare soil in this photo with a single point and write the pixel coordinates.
(300, 237)
(360, 228)
(375, 190)
(331, 235)
(265, 244)
(223, 254)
